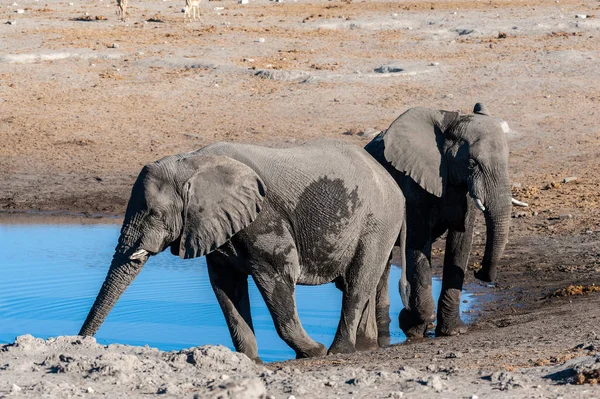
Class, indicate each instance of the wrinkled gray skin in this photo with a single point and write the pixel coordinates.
(444, 162)
(313, 214)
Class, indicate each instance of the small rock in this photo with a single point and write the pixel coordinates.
(463, 32)
(243, 1)
(20, 11)
(224, 377)
(369, 133)
(449, 96)
(352, 132)
(453, 355)
(291, 397)
(565, 216)
(502, 35)
(431, 367)
(260, 40)
(569, 179)
(534, 213)
(581, 16)
(218, 8)
(388, 69)
(473, 397)
(434, 64)
(114, 45)
(435, 383)
(516, 185)
(11, 22)
(15, 388)
(397, 394)
(89, 390)
(383, 375)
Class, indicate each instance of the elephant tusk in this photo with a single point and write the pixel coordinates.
(479, 204)
(519, 203)
(138, 254)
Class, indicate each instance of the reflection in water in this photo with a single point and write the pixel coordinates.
(52, 273)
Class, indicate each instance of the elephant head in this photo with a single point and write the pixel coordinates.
(190, 203)
(442, 150)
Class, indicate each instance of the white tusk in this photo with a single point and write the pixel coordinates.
(519, 203)
(138, 254)
(479, 204)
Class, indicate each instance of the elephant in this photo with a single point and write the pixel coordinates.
(321, 212)
(440, 159)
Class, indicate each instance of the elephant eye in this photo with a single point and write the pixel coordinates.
(472, 164)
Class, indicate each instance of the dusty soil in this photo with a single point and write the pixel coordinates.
(84, 104)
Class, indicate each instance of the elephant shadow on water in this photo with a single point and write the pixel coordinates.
(448, 165)
(322, 212)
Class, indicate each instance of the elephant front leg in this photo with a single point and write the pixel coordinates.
(416, 320)
(278, 293)
(231, 289)
(458, 248)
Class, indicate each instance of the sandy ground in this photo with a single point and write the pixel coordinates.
(84, 104)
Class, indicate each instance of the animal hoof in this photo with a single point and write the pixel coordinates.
(456, 327)
(383, 339)
(485, 275)
(317, 351)
(341, 348)
(412, 326)
(366, 344)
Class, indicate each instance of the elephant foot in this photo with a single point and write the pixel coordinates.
(257, 360)
(341, 348)
(451, 328)
(413, 326)
(485, 275)
(383, 339)
(317, 351)
(367, 344)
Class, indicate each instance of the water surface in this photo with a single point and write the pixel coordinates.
(52, 273)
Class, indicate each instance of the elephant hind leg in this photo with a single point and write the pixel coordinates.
(231, 290)
(360, 293)
(367, 334)
(382, 307)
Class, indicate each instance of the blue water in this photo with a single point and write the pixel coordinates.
(52, 273)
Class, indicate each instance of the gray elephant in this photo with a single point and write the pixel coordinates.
(321, 212)
(440, 159)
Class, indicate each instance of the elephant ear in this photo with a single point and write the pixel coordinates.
(414, 143)
(222, 197)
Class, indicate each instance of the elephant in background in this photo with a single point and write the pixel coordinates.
(321, 212)
(440, 159)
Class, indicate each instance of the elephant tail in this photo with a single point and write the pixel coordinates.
(403, 285)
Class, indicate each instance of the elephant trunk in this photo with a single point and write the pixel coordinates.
(497, 217)
(122, 271)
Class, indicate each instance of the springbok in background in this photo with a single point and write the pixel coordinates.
(122, 9)
(191, 7)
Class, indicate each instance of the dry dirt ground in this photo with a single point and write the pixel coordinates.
(85, 103)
